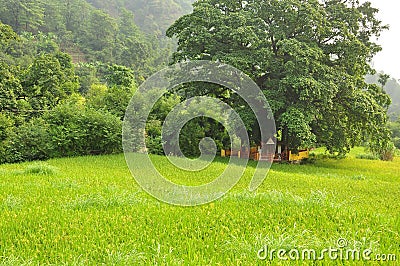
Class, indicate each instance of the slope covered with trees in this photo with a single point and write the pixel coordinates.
(87, 33)
(152, 16)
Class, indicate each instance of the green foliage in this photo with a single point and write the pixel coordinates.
(28, 142)
(82, 131)
(42, 114)
(115, 97)
(10, 88)
(7, 35)
(47, 81)
(154, 123)
(383, 79)
(99, 35)
(190, 137)
(6, 125)
(116, 75)
(152, 16)
(299, 133)
(395, 128)
(67, 130)
(392, 87)
(87, 33)
(154, 145)
(308, 57)
(22, 15)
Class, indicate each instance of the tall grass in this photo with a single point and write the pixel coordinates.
(89, 211)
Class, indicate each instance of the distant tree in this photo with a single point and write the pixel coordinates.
(22, 15)
(53, 20)
(6, 35)
(392, 88)
(113, 97)
(48, 80)
(383, 79)
(99, 35)
(132, 48)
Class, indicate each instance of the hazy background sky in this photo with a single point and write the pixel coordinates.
(389, 59)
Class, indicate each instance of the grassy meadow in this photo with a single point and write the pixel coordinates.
(89, 211)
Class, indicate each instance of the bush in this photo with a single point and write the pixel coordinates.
(28, 142)
(83, 131)
(6, 124)
(114, 99)
(6, 129)
(67, 130)
(154, 145)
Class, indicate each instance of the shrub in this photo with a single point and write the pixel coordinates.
(6, 128)
(154, 145)
(114, 99)
(67, 130)
(83, 131)
(6, 124)
(28, 142)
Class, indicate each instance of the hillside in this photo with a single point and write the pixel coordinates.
(152, 16)
(128, 33)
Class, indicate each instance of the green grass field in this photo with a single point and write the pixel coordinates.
(89, 211)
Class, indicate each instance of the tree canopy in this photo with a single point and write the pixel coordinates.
(309, 57)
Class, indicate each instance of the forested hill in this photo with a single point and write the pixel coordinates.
(152, 16)
(128, 33)
(392, 87)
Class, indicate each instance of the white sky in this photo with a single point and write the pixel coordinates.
(388, 60)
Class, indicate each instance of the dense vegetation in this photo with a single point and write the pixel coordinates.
(68, 70)
(87, 33)
(392, 87)
(43, 111)
(309, 58)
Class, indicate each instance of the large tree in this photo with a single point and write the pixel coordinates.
(308, 56)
